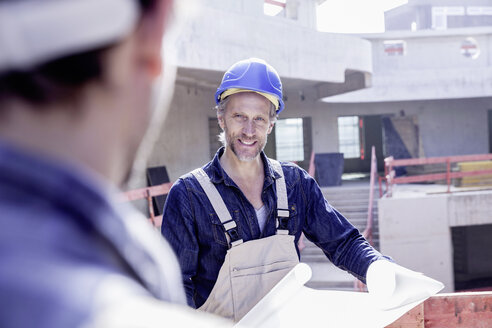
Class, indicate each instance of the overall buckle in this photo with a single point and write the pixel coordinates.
(232, 234)
(282, 219)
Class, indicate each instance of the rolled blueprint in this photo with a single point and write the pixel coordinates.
(291, 304)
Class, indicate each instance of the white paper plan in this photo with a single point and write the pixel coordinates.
(291, 304)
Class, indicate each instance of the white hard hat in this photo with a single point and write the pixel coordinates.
(33, 32)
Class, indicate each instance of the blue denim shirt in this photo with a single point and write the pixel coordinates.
(194, 230)
(67, 251)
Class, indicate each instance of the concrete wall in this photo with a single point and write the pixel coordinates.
(472, 208)
(446, 127)
(454, 127)
(301, 12)
(444, 3)
(222, 35)
(415, 228)
(184, 141)
(420, 11)
(226, 31)
(419, 83)
(416, 234)
(432, 67)
(449, 93)
(183, 144)
(401, 18)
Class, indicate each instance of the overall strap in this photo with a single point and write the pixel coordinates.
(219, 206)
(282, 202)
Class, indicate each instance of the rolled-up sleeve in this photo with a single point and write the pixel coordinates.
(178, 228)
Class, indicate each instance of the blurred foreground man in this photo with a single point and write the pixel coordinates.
(76, 79)
(235, 222)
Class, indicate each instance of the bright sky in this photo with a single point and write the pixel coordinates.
(354, 16)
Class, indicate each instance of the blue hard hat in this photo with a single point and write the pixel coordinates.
(252, 74)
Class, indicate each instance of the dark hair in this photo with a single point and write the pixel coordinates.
(60, 79)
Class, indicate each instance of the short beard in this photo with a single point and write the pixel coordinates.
(228, 143)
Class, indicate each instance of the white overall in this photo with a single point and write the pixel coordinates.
(251, 269)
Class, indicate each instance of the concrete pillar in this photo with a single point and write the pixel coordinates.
(415, 232)
(303, 12)
(292, 9)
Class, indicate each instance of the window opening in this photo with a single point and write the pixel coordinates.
(289, 140)
(349, 136)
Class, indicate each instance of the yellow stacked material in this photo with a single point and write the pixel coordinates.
(477, 180)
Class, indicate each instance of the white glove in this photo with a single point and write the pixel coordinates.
(391, 285)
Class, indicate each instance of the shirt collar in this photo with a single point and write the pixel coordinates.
(217, 174)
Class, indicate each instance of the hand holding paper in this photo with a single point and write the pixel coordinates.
(391, 285)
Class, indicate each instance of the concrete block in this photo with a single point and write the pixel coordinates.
(470, 208)
(431, 256)
(416, 233)
(413, 218)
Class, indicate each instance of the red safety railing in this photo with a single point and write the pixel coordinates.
(148, 193)
(390, 163)
(276, 3)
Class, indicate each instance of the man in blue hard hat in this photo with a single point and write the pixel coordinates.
(234, 223)
(76, 80)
